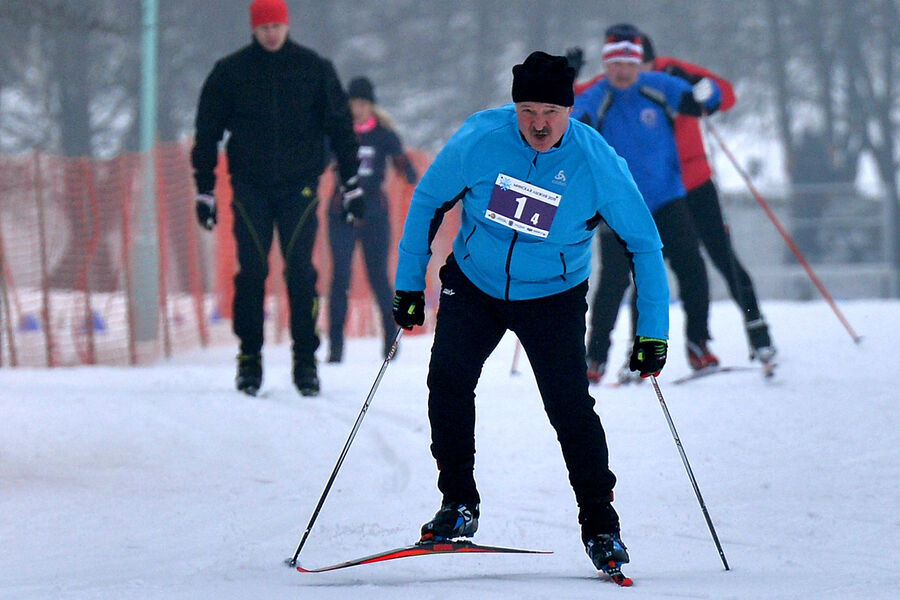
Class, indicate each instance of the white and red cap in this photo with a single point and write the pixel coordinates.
(621, 49)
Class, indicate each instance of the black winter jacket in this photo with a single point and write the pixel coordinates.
(279, 108)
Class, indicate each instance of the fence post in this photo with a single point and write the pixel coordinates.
(45, 275)
(6, 316)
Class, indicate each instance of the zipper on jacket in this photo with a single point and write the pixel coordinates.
(562, 259)
(509, 254)
(532, 167)
(274, 90)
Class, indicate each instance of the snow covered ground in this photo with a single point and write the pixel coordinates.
(163, 482)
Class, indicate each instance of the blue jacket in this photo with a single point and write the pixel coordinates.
(528, 217)
(637, 123)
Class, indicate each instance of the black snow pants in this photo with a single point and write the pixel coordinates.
(703, 202)
(681, 249)
(469, 326)
(257, 212)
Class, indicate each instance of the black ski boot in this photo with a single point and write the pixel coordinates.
(336, 351)
(306, 378)
(761, 347)
(608, 554)
(453, 520)
(603, 548)
(249, 373)
(600, 534)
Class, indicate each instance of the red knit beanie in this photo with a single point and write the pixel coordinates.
(263, 12)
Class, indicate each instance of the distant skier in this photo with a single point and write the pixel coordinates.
(703, 202)
(378, 144)
(282, 104)
(533, 186)
(635, 112)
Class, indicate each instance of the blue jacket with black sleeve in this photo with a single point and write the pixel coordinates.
(638, 123)
(528, 217)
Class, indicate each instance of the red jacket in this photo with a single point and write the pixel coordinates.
(695, 169)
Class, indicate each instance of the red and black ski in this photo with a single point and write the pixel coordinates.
(421, 549)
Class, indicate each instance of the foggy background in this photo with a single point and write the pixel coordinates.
(815, 79)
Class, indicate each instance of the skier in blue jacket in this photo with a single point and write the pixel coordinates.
(635, 110)
(533, 185)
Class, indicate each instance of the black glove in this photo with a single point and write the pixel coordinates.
(206, 210)
(409, 308)
(648, 356)
(679, 72)
(575, 56)
(353, 205)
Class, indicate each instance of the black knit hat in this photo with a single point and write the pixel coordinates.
(647, 43)
(622, 31)
(361, 87)
(544, 78)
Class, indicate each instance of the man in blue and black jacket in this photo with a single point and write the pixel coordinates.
(635, 111)
(533, 186)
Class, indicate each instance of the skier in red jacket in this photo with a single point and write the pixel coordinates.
(703, 202)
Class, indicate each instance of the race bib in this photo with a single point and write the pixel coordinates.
(366, 156)
(522, 206)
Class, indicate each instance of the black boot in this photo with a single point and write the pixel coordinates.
(600, 534)
(606, 548)
(453, 520)
(306, 378)
(761, 347)
(249, 373)
(336, 351)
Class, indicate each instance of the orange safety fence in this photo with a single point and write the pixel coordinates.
(70, 240)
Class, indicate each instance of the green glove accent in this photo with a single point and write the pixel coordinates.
(648, 355)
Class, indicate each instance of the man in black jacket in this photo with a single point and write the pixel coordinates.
(283, 106)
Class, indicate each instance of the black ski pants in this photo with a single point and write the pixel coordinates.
(681, 249)
(469, 326)
(257, 212)
(703, 203)
(374, 236)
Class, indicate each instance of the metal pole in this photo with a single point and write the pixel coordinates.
(784, 234)
(687, 467)
(514, 369)
(292, 562)
(146, 245)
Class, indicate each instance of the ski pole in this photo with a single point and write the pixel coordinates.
(687, 467)
(514, 369)
(787, 238)
(292, 562)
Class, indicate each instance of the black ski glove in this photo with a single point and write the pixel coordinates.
(575, 58)
(206, 210)
(409, 308)
(648, 356)
(679, 72)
